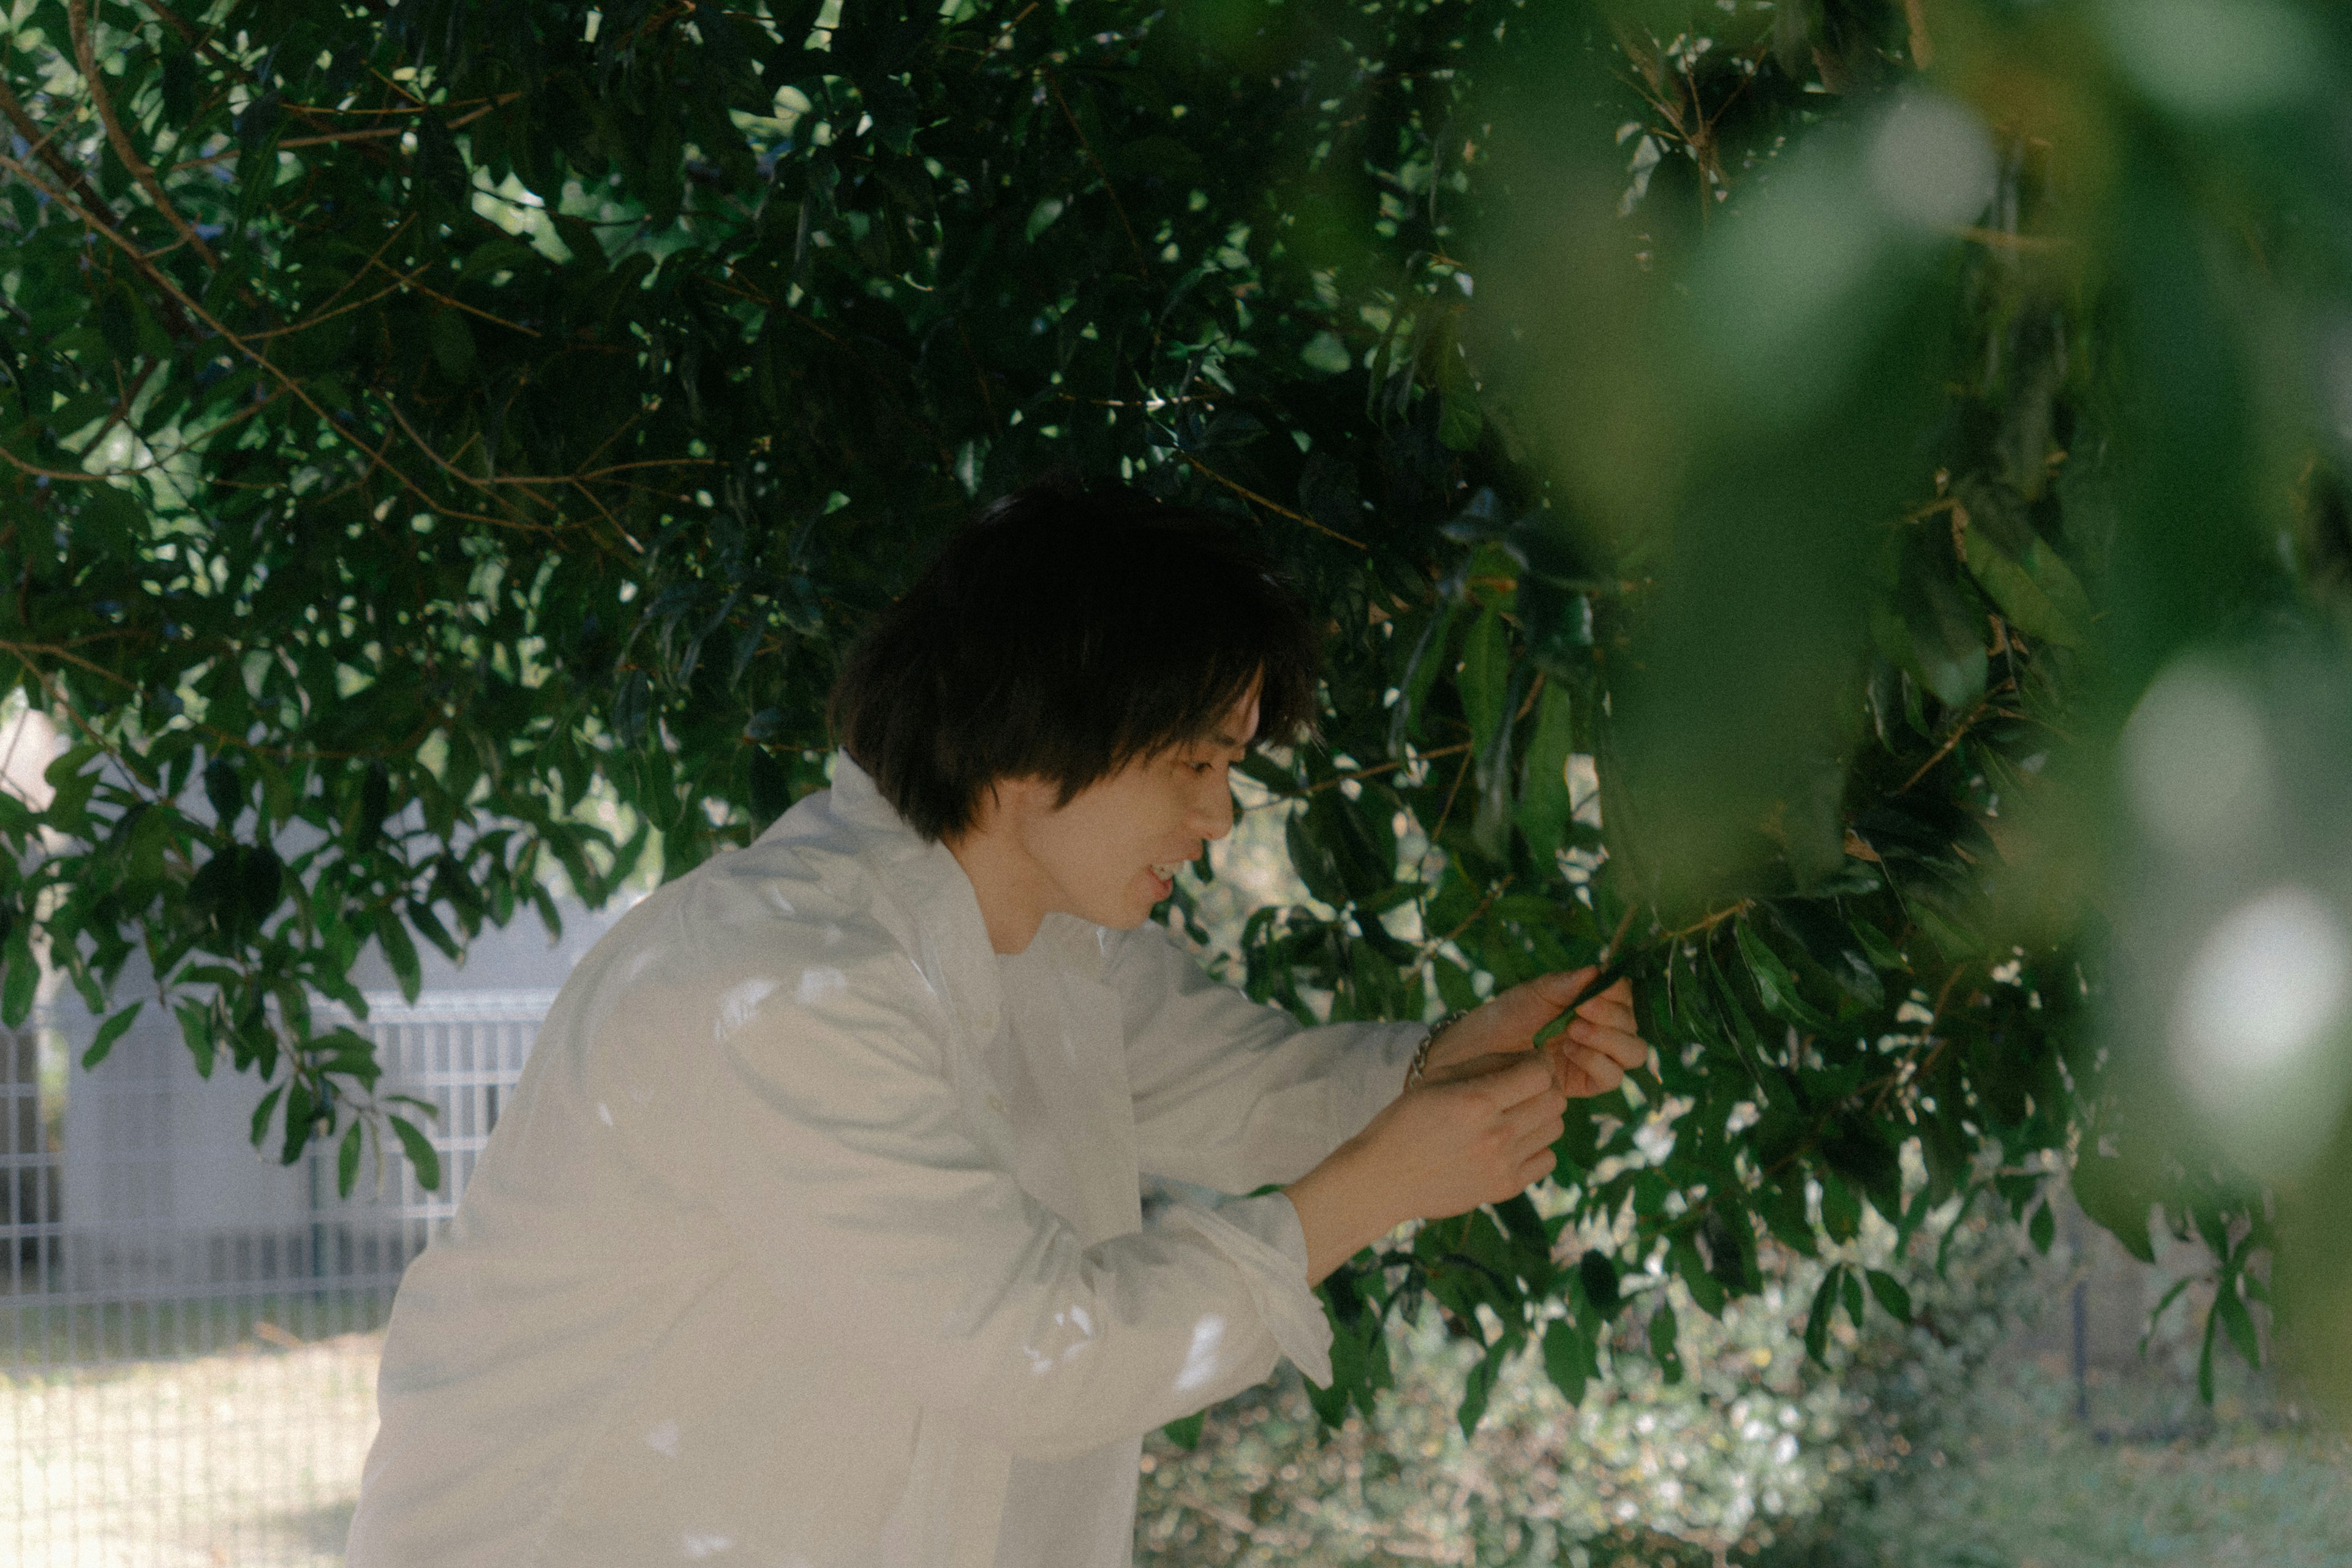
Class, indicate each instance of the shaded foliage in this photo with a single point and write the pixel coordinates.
(445, 448)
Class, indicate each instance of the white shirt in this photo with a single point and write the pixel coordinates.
(812, 1234)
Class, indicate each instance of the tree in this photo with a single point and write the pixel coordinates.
(437, 431)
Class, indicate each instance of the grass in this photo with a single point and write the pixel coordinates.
(245, 1458)
(2020, 1482)
(249, 1457)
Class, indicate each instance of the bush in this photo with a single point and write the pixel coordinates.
(1753, 1454)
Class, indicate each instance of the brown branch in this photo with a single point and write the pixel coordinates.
(591, 497)
(409, 281)
(40, 146)
(1143, 263)
(1446, 810)
(1709, 922)
(123, 405)
(86, 57)
(302, 395)
(1960, 732)
(324, 314)
(1006, 32)
(34, 472)
(1484, 904)
(1277, 507)
(1344, 774)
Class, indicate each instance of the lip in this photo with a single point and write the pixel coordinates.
(1165, 885)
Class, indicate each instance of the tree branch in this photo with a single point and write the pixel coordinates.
(86, 56)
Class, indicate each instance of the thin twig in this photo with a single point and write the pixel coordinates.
(409, 281)
(1275, 507)
(86, 56)
(1143, 263)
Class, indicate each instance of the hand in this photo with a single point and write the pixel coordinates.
(1591, 1057)
(1440, 1149)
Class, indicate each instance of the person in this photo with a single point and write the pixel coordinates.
(813, 1233)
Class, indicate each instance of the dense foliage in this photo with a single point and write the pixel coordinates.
(434, 432)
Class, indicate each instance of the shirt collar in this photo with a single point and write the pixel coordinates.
(930, 883)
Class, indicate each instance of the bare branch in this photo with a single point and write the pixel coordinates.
(86, 56)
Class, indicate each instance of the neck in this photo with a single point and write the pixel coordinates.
(1005, 881)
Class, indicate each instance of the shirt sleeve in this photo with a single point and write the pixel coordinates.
(841, 1155)
(1234, 1095)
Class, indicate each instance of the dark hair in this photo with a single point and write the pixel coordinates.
(1064, 632)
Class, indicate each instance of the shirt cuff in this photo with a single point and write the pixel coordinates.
(1263, 1239)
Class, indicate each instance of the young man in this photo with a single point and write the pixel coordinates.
(812, 1234)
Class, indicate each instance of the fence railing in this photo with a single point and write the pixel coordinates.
(187, 1352)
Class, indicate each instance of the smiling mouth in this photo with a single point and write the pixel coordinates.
(1166, 869)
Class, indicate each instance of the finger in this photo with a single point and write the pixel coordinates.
(1473, 1066)
(1535, 1168)
(1613, 1006)
(1625, 1048)
(1527, 1077)
(1541, 1000)
(1531, 1117)
(1589, 1073)
(1543, 1130)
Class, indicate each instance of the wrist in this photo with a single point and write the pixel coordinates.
(1434, 1049)
(1342, 1208)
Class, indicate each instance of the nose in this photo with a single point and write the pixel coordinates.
(1214, 813)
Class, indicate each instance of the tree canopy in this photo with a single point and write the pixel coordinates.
(444, 444)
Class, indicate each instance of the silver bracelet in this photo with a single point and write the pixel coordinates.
(1412, 1075)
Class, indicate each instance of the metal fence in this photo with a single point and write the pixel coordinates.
(188, 1330)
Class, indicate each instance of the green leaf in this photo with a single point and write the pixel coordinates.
(1042, 217)
(1597, 1273)
(1855, 1305)
(1891, 1295)
(1459, 423)
(2240, 1323)
(1420, 671)
(2043, 1228)
(347, 1160)
(1782, 1204)
(2205, 1358)
(2105, 1188)
(1568, 1360)
(2178, 1287)
(301, 1120)
(18, 992)
(196, 1029)
(1186, 1432)
(107, 1033)
(400, 952)
(261, 1114)
(1663, 1335)
(453, 343)
(1882, 953)
(1818, 1317)
(1325, 354)
(1543, 805)
(1840, 1209)
(1479, 1387)
(1484, 680)
(1775, 987)
(2040, 596)
(1706, 1291)
(421, 1154)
